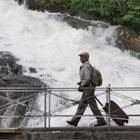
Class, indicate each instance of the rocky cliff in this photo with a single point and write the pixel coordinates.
(11, 75)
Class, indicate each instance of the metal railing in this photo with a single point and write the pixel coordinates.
(48, 92)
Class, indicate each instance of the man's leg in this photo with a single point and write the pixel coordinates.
(94, 108)
(80, 111)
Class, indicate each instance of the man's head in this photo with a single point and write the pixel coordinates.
(84, 56)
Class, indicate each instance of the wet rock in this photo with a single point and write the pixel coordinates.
(83, 24)
(11, 75)
(32, 70)
(8, 64)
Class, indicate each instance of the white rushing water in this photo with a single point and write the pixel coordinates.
(51, 46)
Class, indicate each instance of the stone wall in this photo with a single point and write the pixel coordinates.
(94, 133)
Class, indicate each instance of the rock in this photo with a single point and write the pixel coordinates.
(21, 80)
(128, 40)
(11, 75)
(36, 4)
(20, 1)
(32, 70)
(8, 64)
(42, 5)
(84, 24)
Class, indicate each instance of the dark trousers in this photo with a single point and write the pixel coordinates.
(88, 98)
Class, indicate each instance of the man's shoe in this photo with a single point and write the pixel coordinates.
(100, 124)
(71, 123)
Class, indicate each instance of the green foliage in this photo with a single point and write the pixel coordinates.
(84, 6)
(109, 8)
(65, 3)
(128, 18)
(105, 9)
(135, 2)
(131, 17)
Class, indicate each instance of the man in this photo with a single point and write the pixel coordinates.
(88, 94)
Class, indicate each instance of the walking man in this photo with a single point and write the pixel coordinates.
(85, 73)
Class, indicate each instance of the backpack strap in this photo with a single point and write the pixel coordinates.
(91, 74)
(92, 67)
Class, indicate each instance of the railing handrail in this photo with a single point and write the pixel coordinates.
(47, 92)
(39, 88)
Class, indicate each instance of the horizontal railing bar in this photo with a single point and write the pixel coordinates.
(20, 90)
(1, 116)
(17, 90)
(131, 115)
(21, 116)
(35, 116)
(66, 89)
(97, 87)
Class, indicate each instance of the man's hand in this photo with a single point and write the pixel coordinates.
(79, 83)
(80, 89)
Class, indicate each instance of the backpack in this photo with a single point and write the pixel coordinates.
(96, 77)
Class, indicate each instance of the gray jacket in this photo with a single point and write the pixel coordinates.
(85, 75)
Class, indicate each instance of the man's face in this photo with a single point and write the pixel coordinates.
(83, 59)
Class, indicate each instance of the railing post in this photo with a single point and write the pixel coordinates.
(49, 110)
(108, 99)
(45, 107)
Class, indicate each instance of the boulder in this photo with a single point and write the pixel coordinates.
(128, 40)
(32, 70)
